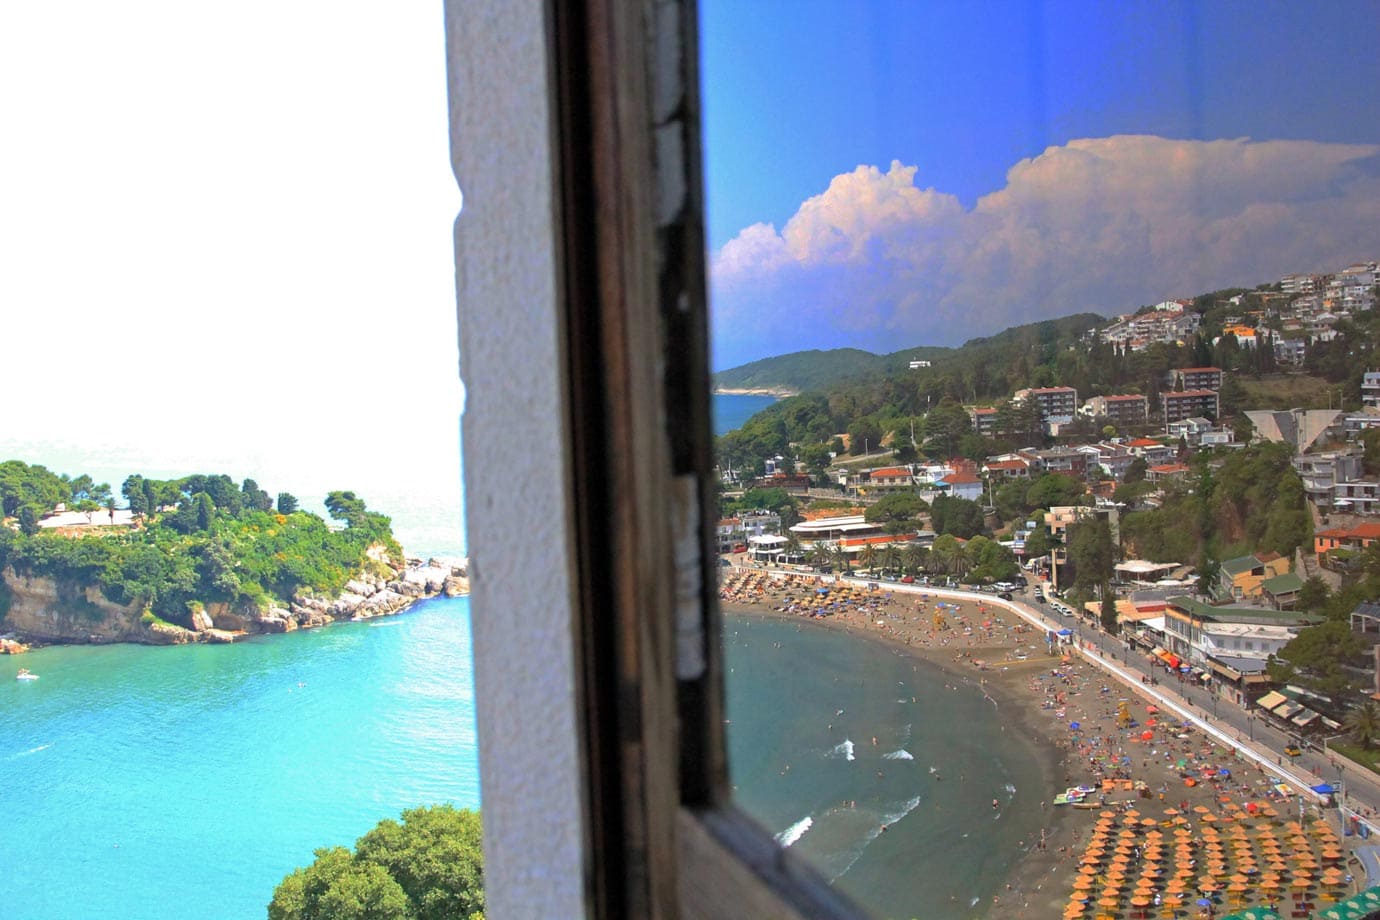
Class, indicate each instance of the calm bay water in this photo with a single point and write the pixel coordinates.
(168, 783)
(831, 737)
(731, 411)
(151, 783)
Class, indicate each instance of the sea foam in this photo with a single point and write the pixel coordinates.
(898, 755)
(793, 833)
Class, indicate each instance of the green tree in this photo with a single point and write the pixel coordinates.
(429, 867)
(864, 435)
(1091, 552)
(1038, 543)
(957, 516)
(1363, 721)
(28, 520)
(1053, 489)
(899, 507)
(1370, 439)
(1316, 655)
(345, 506)
(287, 503)
(339, 887)
(1107, 616)
(254, 497)
(1314, 594)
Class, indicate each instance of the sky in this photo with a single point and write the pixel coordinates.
(883, 175)
(226, 230)
(227, 240)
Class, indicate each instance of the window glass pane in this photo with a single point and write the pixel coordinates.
(227, 238)
(1010, 308)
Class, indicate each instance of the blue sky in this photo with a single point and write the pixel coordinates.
(797, 94)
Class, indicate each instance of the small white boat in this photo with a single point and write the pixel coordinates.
(25, 674)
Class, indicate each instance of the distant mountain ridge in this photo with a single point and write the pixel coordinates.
(822, 369)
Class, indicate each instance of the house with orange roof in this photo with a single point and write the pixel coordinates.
(1161, 472)
(891, 477)
(1013, 468)
(1356, 537)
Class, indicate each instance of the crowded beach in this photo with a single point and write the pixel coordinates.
(1148, 816)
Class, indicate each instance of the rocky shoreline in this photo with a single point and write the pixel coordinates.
(42, 612)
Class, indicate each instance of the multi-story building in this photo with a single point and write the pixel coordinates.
(1360, 497)
(1123, 409)
(1056, 460)
(1301, 284)
(1290, 351)
(1112, 460)
(1183, 404)
(1370, 389)
(1321, 473)
(984, 420)
(1196, 378)
(1057, 404)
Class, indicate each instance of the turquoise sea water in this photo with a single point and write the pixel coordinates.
(167, 783)
(832, 736)
(172, 783)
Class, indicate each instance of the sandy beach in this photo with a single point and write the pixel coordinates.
(1150, 774)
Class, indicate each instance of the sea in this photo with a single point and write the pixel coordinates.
(148, 783)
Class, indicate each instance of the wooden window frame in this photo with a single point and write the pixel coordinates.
(575, 136)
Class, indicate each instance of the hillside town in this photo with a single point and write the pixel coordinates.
(1238, 546)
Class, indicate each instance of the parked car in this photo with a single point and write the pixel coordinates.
(907, 579)
(1005, 595)
(1293, 750)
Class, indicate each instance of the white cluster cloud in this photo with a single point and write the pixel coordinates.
(1101, 225)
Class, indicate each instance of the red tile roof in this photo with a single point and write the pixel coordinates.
(1007, 465)
(1144, 442)
(960, 478)
(891, 472)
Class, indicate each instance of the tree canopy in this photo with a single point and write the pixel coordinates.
(429, 867)
(203, 539)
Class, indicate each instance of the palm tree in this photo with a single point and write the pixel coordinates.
(1364, 723)
(840, 558)
(868, 556)
(791, 548)
(891, 557)
(817, 555)
(916, 556)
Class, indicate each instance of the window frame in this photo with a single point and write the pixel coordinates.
(575, 132)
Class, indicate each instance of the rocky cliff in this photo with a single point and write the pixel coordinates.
(44, 610)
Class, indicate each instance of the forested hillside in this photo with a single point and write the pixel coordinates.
(194, 540)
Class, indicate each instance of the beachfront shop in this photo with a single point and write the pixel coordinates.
(1289, 713)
